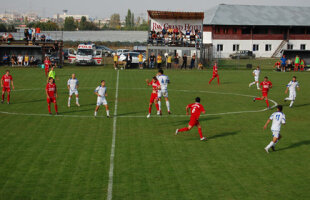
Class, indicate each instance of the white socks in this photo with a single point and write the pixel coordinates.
(95, 114)
(77, 100)
(69, 100)
(291, 104)
(251, 84)
(159, 105)
(108, 113)
(270, 145)
(257, 85)
(168, 106)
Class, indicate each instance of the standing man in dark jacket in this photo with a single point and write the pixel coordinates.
(128, 61)
(184, 61)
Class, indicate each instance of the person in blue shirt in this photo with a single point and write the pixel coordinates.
(5, 59)
(283, 63)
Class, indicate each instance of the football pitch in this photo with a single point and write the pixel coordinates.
(73, 156)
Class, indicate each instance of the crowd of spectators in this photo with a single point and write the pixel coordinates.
(170, 61)
(18, 60)
(174, 37)
(7, 37)
(287, 64)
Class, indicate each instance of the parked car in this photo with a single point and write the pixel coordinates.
(65, 53)
(106, 51)
(135, 59)
(121, 51)
(245, 54)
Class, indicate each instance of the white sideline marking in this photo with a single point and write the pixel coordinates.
(143, 116)
(111, 172)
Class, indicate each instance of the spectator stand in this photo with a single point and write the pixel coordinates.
(38, 50)
(291, 55)
(176, 33)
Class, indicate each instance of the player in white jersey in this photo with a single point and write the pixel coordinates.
(73, 85)
(277, 118)
(256, 74)
(163, 91)
(101, 92)
(291, 86)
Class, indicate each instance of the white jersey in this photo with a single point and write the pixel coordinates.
(278, 118)
(101, 91)
(292, 86)
(163, 80)
(256, 73)
(73, 83)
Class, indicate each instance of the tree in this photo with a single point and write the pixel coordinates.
(115, 21)
(129, 19)
(3, 28)
(83, 23)
(70, 24)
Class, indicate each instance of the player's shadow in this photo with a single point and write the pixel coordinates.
(74, 111)
(130, 113)
(295, 145)
(302, 105)
(32, 101)
(182, 122)
(225, 134)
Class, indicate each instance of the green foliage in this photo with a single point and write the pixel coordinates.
(87, 25)
(44, 26)
(70, 24)
(115, 21)
(3, 27)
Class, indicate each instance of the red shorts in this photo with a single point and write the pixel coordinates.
(215, 75)
(6, 89)
(153, 97)
(193, 121)
(265, 94)
(51, 100)
(296, 64)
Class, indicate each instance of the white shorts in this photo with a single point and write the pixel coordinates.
(276, 134)
(101, 101)
(163, 93)
(292, 95)
(75, 91)
(256, 79)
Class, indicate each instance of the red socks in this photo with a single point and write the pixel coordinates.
(9, 97)
(56, 108)
(218, 80)
(258, 98)
(211, 80)
(3, 97)
(49, 108)
(267, 102)
(150, 109)
(157, 106)
(200, 132)
(183, 129)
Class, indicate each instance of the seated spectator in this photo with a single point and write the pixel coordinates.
(13, 60)
(10, 38)
(5, 37)
(283, 63)
(200, 66)
(48, 38)
(26, 60)
(5, 59)
(170, 31)
(20, 60)
(164, 31)
(302, 65)
(32, 60)
(277, 66)
(176, 31)
(38, 31)
(42, 38)
(26, 35)
(289, 64)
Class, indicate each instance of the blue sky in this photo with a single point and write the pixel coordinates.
(104, 8)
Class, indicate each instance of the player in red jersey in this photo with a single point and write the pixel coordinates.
(196, 110)
(154, 96)
(6, 82)
(47, 65)
(264, 86)
(215, 74)
(51, 95)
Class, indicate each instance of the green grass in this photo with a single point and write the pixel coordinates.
(63, 157)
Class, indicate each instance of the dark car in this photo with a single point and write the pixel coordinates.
(106, 51)
(245, 54)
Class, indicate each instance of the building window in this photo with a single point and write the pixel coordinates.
(302, 47)
(255, 47)
(217, 30)
(268, 47)
(236, 47)
(225, 30)
(235, 31)
(219, 47)
(290, 46)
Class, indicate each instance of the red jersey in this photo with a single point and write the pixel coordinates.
(6, 79)
(51, 89)
(196, 109)
(215, 70)
(155, 85)
(266, 86)
(47, 63)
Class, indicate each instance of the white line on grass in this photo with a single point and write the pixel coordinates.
(111, 172)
